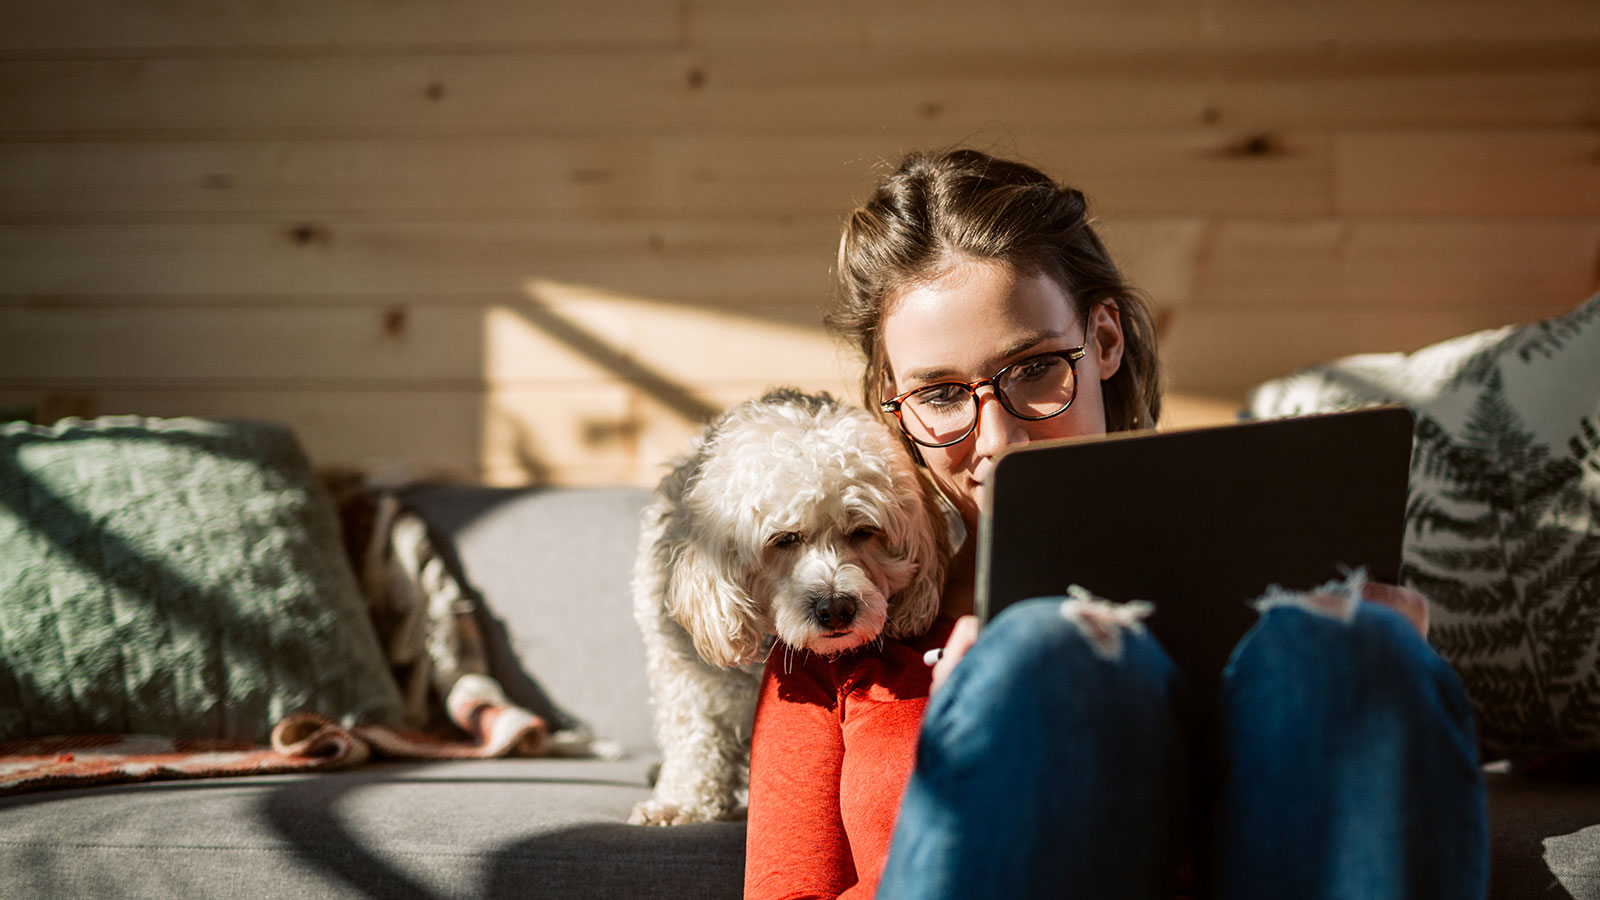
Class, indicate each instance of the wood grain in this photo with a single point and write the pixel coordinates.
(1194, 171)
(921, 94)
(198, 25)
(533, 242)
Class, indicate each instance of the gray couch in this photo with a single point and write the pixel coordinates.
(552, 566)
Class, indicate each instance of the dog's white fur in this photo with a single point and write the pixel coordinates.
(786, 509)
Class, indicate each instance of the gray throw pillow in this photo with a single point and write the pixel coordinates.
(1503, 520)
(175, 577)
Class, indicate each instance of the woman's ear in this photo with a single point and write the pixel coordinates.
(1105, 337)
(718, 613)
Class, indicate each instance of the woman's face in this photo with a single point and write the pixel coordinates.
(975, 319)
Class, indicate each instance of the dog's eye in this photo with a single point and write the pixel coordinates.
(784, 539)
(863, 534)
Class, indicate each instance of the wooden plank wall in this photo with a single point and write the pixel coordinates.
(518, 240)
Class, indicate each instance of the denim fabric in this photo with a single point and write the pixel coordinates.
(1336, 761)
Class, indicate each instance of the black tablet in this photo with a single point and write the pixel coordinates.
(1197, 522)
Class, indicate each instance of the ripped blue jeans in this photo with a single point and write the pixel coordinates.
(1338, 760)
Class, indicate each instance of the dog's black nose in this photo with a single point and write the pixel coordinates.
(834, 611)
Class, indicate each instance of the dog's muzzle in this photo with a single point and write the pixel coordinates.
(834, 612)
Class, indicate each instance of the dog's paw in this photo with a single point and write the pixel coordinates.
(655, 812)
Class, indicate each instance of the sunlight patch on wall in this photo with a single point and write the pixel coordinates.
(589, 386)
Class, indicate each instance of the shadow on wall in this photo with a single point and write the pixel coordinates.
(675, 396)
(585, 382)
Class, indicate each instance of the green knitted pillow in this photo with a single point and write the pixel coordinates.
(1503, 521)
(175, 577)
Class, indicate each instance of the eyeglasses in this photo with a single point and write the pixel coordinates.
(944, 413)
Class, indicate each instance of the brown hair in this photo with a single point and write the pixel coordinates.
(938, 206)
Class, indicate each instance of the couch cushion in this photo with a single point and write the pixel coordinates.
(520, 828)
(175, 577)
(479, 829)
(553, 568)
(1503, 521)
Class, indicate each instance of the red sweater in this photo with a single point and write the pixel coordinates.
(833, 748)
(834, 744)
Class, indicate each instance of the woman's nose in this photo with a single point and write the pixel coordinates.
(996, 428)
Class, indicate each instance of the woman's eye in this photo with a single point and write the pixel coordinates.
(942, 396)
(1037, 368)
(784, 539)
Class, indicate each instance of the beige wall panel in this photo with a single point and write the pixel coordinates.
(993, 99)
(664, 433)
(1196, 172)
(1429, 260)
(689, 344)
(1467, 172)
(727, 264)
(401, 343)
(314, 24)
(569, 341)
(1407, 87)
(1541, 263)
(840, 28)
(1406, 262)
(633, 176)
(584, 435)
(843, 27)
(1224, 352)
(420, 432)
(603, 433)
(1512, 100)
(1387, 22)
(531, 435)
(1341, 262)
(1157, 256)
(378, 95)
(1012, 98)
(1197, 411)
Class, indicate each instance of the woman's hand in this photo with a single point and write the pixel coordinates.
(1404, 601)
(962, 637)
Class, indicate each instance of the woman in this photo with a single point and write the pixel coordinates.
(1339, 759)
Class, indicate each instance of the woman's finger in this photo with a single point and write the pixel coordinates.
(962, 637)
(1404, 601)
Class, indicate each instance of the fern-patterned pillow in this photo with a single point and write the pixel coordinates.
(1503, 521)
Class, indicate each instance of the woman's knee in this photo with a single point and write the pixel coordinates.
(1373, 656)
(1376, 638)
(1051, 684)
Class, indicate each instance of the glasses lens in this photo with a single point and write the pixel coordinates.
(1038, 387)
(939, 413)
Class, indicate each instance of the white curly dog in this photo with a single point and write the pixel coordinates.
(793, 516)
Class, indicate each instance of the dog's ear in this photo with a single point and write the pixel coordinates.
(717, 611)
(923, 541)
